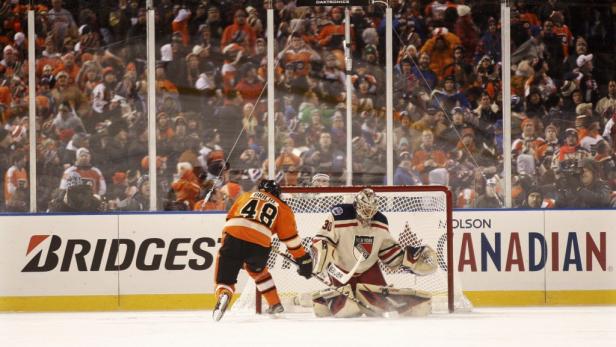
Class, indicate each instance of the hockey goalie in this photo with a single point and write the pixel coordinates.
(347, 250)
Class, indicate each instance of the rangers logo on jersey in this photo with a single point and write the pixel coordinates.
(363, 245)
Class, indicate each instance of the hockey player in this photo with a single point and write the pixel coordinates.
(356, 236)
(246, 242)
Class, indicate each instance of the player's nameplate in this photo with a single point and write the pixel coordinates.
(333, 2)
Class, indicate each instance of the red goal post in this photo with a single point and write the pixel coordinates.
(416, 214)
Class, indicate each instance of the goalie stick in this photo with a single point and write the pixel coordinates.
(322, 280)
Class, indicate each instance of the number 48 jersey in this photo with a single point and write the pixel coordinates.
(256, 217)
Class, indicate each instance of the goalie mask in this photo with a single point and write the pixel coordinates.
(366, 205)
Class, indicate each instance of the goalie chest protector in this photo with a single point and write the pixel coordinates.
(355, 241)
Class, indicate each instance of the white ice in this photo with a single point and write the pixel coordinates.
(536, 326)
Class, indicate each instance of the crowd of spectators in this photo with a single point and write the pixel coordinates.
(211, 110)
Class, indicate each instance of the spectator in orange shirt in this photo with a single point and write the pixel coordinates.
(427, 157)
(186, 187)
(239, 32)
(16, 184)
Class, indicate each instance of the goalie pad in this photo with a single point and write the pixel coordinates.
(322, 255)
(330, 302)
(420, 260)
(404, 301)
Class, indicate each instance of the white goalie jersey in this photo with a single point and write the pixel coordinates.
(353, 242)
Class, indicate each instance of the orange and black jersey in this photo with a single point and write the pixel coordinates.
(256, 217)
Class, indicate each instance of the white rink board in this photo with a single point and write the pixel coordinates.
(185, 230)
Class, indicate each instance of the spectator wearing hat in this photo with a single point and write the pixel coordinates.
(66, 119)
(68, 152)
(432, 119)
(320, 180)
(448, 96)
(490, 198)
(215, 23)
(427, 157)
(405, 175)
(452, 135)
(240, 32)
(86, 172)
(64, 90)
(545, 151)
(534, 107)
(535, 199)
(589, 191)
(529, 141)
(460, 69)
(567, 160)
(440, 48)
(76, 196)
(490, 43)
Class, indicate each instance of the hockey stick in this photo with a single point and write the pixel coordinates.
(339, 275)
(322, 280)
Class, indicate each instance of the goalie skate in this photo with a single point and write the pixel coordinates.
(221, 306)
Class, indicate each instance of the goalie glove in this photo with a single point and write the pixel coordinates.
(304, 266)
(420, 260)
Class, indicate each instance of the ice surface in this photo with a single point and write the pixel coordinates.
(536, 326)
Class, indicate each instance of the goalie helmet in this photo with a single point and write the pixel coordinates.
(365, 204)
(270, 186)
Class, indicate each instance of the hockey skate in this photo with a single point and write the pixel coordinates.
(275, 310)
(221, 305)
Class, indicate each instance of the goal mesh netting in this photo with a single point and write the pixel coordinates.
(416, 215)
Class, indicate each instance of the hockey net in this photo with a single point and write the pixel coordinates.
(417, 215)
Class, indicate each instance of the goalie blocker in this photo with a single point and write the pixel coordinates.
(360, 231)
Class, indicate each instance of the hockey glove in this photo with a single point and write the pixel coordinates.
(304, 264)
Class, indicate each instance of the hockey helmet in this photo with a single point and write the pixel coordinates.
(270, 186)
(366, 204)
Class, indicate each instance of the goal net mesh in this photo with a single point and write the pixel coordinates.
(415, 217)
